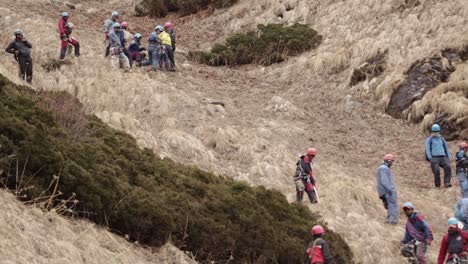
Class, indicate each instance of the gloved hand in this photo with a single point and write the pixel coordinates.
(390, 192)
(384, 201)
(64, 36)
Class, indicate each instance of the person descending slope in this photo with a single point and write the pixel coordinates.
(136, 50)
(386, 189)
(65, 29)
(108, 26)
(462, 168)
(118, 58)
(455, 244)
(461, 212)
(418, 230)
(437, 152)
(21, 48)
(318, 251)
(303, 177)
(169, 28)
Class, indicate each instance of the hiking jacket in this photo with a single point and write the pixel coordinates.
(165, 38)
(461, 211)
(462, 160)
(23, 47)
(319, 252)
(172, 33)
(62, 25)
(115, 40)
(134, 46)
(436, 147)
(421, 225)
(444, 246)
(108, 23)
(153, 39)
(385, 181)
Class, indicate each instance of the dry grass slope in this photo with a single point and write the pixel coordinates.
(257, 136)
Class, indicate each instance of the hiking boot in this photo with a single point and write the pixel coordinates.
(448, 185)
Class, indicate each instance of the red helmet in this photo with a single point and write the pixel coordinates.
(317, 230)
(124, 25)
(389, 157)
(463, 145)
(312, 152)
(168, 25)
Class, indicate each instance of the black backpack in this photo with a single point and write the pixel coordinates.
(455, 243)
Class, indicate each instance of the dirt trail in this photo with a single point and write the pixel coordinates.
(271, 116)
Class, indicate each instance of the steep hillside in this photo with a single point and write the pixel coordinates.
(272, 114)
(30, 236)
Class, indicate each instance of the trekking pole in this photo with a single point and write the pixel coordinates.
(316, 194)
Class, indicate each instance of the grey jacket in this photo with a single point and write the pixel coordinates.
(115, 41)
(385, 181)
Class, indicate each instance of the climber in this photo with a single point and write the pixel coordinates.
(65, 29)
(169, 28)
(417, 229)
(318, 251)
(166, 46)
(108, 26)
(136, 50)
(303, 177)
(21, 48)
(154, 48)
(455, 243)
(461, 212)
(386, 189)
(118, 58)
(126, 37)
(462, 168)
(437, 153)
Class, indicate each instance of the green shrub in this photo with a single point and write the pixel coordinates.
(159, 8)
(135, 193)
(272, 43)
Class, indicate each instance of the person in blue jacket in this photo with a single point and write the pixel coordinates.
(386, 189)
(462, 168)
(438, 154)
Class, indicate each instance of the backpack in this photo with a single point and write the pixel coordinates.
(299, 173)
(455, 243)
(430, 148)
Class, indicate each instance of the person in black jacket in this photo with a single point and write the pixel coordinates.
(21, 48)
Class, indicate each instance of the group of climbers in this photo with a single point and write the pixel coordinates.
(418, 234)
(162, 45)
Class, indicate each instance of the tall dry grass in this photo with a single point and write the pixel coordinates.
(273, 114)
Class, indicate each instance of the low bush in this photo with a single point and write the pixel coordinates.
(272, 43)
(159, 8)
(135, 193)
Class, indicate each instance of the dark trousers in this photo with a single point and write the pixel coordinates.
(171, 56)
(26, 68)
(436, 163)
(129, 56)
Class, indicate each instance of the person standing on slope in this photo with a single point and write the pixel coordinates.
(462, 168)
(154, 47)
(461, 212)
(126, 37)
(304, 178)
(437, 152)
(318, 251)
(169, 28)
(386, 189)
(108, 26)
(118, 58)
(417, 229)
(21, 48)
(65, 29)
(455, 244)
(166, 46)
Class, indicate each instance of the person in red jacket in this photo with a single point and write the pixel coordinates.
(318, 251)
(65, 29)
(455, 243)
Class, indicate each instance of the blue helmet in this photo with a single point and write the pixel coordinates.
(408, 205)
(65, 14)
(435, 128)
(115, 14)
(137, 35)
(153, 37)
(452, 221)
(159, 28)
(116, 25)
